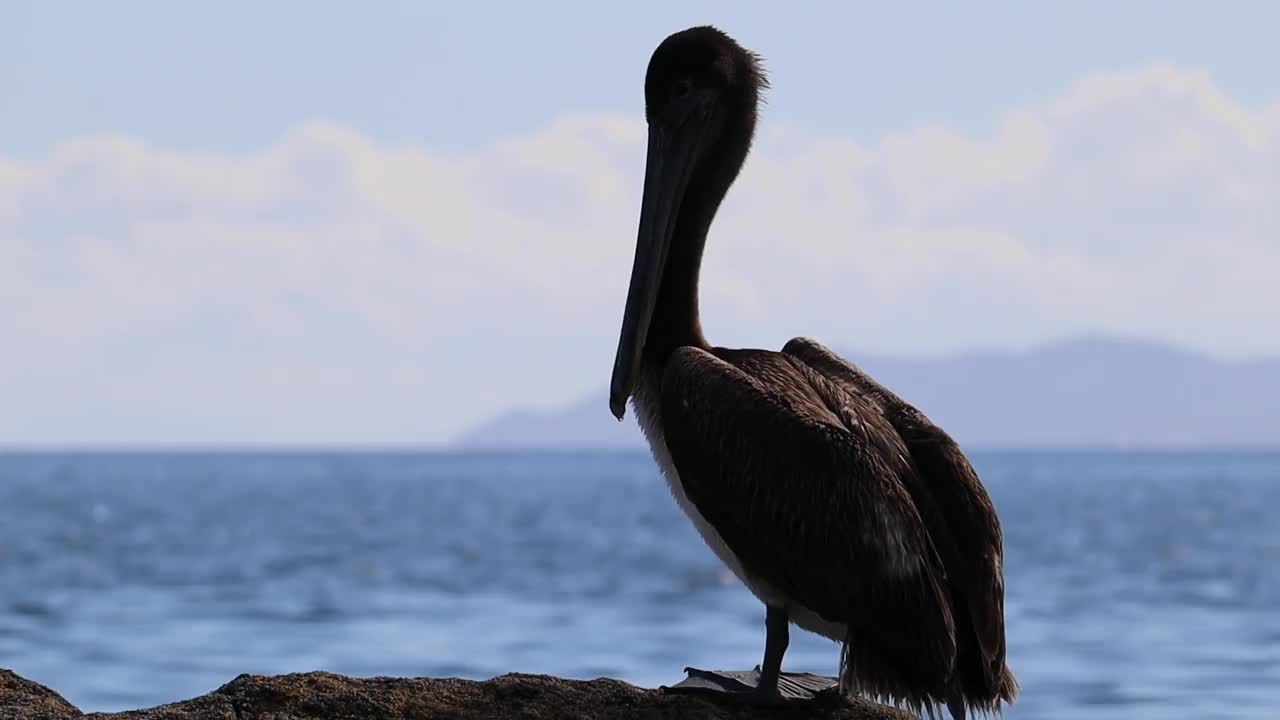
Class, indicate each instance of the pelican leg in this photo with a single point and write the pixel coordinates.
(765, 685)
(777, 638)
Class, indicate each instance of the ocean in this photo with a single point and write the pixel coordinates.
(1139, 585)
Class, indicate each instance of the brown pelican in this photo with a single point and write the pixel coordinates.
(841, 507)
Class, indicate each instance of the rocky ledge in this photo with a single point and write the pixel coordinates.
(325, 696)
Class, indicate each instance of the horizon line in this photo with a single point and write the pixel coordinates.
(232, 448)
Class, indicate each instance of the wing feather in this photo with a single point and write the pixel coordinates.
(962, 514)
(804, 482)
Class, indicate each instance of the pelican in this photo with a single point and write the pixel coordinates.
(838, 504)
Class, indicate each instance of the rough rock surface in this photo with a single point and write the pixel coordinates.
(325, 696)
(21, 698)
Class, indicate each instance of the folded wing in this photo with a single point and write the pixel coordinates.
(806, 482)
(961, 517)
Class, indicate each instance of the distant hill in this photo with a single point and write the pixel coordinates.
(1089, 392)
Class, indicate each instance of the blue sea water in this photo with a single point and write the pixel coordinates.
(1138, 584)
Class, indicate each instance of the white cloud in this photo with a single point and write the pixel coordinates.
(334, 288)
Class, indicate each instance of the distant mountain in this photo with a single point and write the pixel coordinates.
(1091, 392)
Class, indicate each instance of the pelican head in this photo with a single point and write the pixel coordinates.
(701, 93)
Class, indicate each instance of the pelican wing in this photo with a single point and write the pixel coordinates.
(804, 481)
(956, 506)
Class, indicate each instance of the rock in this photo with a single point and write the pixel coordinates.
(326, 696)
(21, 699)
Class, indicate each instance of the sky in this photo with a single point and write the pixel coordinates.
(323, 223)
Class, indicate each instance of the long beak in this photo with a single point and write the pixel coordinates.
(666, 174)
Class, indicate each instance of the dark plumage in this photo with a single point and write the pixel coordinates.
(839, 505)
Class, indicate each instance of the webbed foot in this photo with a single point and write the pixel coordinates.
(746, 686)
